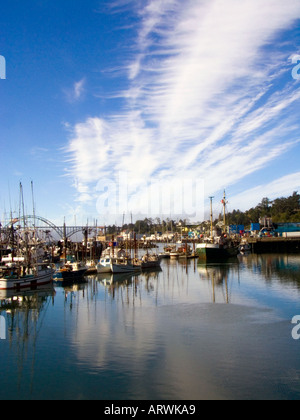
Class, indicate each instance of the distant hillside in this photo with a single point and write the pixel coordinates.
(281, 210)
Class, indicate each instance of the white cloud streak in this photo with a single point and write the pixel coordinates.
(206, 99)
(75, 94)
(272, 190)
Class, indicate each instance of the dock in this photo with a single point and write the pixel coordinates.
(271, 244)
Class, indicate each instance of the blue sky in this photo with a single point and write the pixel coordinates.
(148, 106)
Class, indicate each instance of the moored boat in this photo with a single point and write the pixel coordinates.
(71, 271)
(118, 267)
(91, 267)
(217, 248)
(104, 265)
(111, 259)
(148, 261)
(174, 255)
(22, 277)
(167, 251)
(216, 252)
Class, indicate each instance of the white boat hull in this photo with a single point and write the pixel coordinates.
(174, 255)
(27, 282)
(101, 269)
(104, 265)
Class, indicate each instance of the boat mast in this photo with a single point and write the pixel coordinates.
(224, 202)
(25, 227)
(34, 224)
(33, 206)
(12, 240)
(211, 216)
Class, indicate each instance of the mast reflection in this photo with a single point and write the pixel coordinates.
(24, 313)
(219, 278)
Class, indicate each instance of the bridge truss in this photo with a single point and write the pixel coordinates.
(64, 232)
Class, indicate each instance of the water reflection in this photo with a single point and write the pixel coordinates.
(176, 282)
(188, 331)
(274, 266)
(220, 278)
(23, 311)
(24, 314)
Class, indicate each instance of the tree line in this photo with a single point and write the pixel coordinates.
(281, 210)
(149, 226)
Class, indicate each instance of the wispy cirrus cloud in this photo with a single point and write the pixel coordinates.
(75, 93)
(275, 189)
(208, 96)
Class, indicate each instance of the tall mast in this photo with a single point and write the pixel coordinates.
(34, 218)
(224, 202)
(211, 216)
(12, 239)
(33, 205)
(24, 225)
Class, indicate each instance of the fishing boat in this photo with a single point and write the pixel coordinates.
(116, 261)
(174, 255)
(23, 268)
(167, 252)
(20, 276)
(116, 266)
(186, 252)
(110, 257)
(123, 267)
(217, 248)
(148, 261)
(183, 251)
(71, 271)
(91, 267)
(164, 255)
(216, 251)
(9, 259)
(104, 265)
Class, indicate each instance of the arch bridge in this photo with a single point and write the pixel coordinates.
(64, 232)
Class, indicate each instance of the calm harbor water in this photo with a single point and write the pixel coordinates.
(187, 332)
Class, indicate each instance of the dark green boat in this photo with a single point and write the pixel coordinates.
(216, 252)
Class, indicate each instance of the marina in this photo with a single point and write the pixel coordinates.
(188, 331)
(120, 317)
(150, 202)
